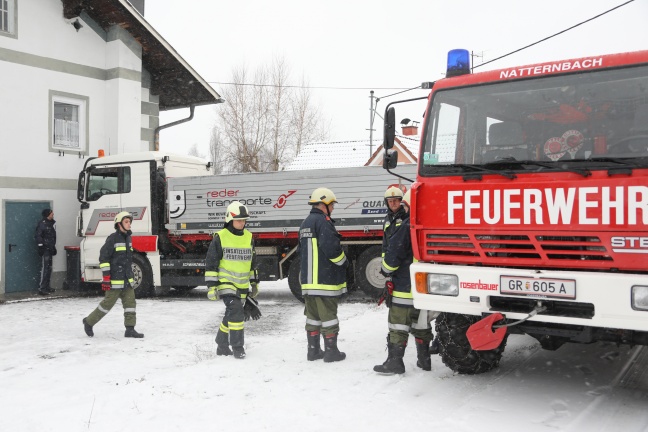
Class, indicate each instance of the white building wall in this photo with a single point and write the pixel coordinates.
(48, 54)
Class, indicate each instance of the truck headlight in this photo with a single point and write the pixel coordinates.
(437, 284)
(640, 297)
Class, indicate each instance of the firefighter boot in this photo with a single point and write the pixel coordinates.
(88, 328)
(394, 363)
(132, 333)
(314, 350)
(239, 352)
(331, 351)
(435, 348)
(423, 355)
(222, 343)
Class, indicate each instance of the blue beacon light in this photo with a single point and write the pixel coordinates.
(458, 63)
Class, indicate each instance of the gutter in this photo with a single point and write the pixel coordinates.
(156, 133)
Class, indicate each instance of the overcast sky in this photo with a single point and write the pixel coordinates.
(346, 48)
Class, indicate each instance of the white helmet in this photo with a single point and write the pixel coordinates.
(322, 195)
(236, 210)
(121, 216)
(394, 192)
(407, 197)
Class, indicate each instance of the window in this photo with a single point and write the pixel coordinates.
(107, 181)
(69, 122)
(8, 17)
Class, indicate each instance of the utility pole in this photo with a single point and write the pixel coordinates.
(371, 120)
(472, 59)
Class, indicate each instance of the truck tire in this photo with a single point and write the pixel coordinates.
(455, 350)
(368, 277)
(142, 277)
(293, 279)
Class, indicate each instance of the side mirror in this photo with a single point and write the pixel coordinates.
(390, 160)
(81, 186)
(390, 128)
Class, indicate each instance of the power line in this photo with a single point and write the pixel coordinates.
(555, 34)
(403, 90)
(307, 87)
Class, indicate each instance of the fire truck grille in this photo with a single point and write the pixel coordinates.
(514, 249)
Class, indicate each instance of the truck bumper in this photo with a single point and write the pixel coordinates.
(594, 299)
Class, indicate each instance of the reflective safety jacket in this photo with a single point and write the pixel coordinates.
(323, 262)
(397, 261)
(229, 262)
(116, 259)
(390, 224)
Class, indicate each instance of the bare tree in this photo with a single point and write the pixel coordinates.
(193, 151)
(307, 119)
(216, 153)
(265, 121)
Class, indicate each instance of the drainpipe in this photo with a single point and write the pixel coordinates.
(156, 136)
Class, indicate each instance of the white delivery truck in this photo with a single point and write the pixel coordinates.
(178, 204)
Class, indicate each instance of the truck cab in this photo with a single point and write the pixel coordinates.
(531, 203)
(133, 182)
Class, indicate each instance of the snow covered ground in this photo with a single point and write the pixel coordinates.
(54, 378)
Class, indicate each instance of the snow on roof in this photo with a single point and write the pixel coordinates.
(411, 142)
(333, 154)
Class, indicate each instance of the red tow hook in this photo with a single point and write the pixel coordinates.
(481, 335)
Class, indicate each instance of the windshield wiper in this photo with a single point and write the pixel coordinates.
(583, 172)
(508, 175)
(620, 161)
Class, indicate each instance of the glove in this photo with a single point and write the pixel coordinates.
(384, 273)
(212, 294)
(254, 289)
(105, 285)
(41, 250)
(251, 309)
(387, 293)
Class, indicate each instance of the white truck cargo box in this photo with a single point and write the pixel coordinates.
(278, 201)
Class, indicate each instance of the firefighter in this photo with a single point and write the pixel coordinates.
(229, 275)
(403, 318)
(115, 262)
(322, 277)
(395, 214)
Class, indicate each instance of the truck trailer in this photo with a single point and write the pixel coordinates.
(530, 206)
(177, 205)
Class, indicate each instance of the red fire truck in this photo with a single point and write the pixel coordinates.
(530, 205)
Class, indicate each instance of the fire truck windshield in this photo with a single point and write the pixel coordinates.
(566, 122)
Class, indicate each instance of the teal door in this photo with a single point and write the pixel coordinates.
(22, 263)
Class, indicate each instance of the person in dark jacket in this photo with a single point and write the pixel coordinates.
(46, 240)
(322, 277)
(229, 274)
(115, 261)
(395, 214)
(403, 318)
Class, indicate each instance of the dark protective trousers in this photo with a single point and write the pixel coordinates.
(405, 320)
(127, 296)
(231, 331)
(321, 314)
(46, 272)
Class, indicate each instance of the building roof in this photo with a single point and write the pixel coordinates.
(177, 84)
(342, 154)
(333, 154)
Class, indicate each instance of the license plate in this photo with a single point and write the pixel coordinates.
(538, 287)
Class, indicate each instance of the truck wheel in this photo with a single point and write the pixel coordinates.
(368, 277)
(456, 352)
(293, 279)
(142, 277)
